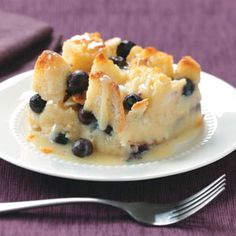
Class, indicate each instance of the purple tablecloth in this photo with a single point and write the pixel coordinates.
(204, 29)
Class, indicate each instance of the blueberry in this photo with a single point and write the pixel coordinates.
(37, 104)
(82, 147)
(77, 82)
(124, 48)
(108, 130)
(61, 139)
(137, 151)
(130, 100)
(119, 61)
(142, 147)
(188, 88)
(86, 117)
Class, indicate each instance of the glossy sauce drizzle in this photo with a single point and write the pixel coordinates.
(167, 149)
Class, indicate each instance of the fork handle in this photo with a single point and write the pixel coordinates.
(7, 207)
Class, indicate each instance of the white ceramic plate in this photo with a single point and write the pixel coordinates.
(218, 139)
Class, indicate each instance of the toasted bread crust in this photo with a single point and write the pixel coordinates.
(50, 75)
(189, 68)
(48, 59)
(150, 57)
(80, 50)
(141, 105)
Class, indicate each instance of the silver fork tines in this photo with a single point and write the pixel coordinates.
(196, 198)
(197, 201)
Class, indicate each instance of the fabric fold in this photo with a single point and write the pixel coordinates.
(19, 33)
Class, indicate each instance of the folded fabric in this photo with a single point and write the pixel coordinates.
(19, 33)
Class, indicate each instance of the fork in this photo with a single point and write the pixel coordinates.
(148, 213)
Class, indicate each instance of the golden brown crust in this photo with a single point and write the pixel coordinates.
(80, 50)
(48, 59)
(150, 57)
(189, 61)
(150, 51)
(188, 68)
(141, 105)
(50, 75)
(90, 41)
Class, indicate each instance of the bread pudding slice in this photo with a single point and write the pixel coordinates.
(113, 96)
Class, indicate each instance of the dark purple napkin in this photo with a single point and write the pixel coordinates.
(21, 40)
(18, 33)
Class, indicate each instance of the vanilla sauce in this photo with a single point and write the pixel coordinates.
(164, 150)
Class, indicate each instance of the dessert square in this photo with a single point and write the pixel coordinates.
(113, 96)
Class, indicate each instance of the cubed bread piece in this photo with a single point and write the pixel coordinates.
(104, 101)
(188, 68)
(80, 50)
(103, 64)
(111, 46)
(142, 79)
(50, 75)
(155, 118)
(65, 120)
(152, 58)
